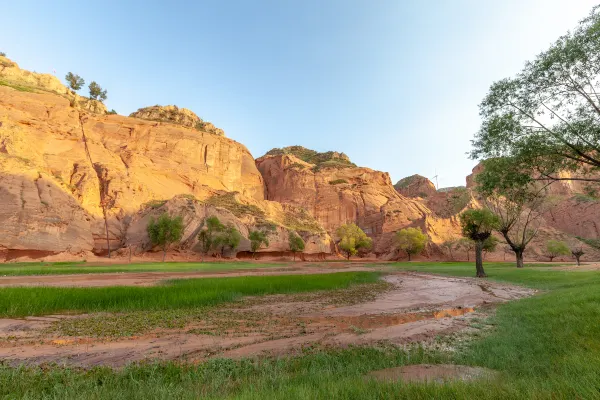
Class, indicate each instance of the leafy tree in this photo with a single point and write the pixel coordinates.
(577, 252)
(490, 244)
(75, 81)
(555, 248)
(517, 201)
(411, 240)
(296, 243)
(450, 244)
(478, 225)
(2, 54)
(545, 119)
(353, 239)
(257, 240)
(228, 238)
(96, 92)
(165, 231)
(212, 226)
(467, 245)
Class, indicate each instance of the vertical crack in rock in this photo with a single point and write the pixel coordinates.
(106, 201)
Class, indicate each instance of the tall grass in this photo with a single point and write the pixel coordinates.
(64, 268)
(186, 293)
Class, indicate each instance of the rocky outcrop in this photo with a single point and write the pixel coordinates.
(92, 162)
(178, 116)
(415, 186)
(13, 76)
(336, 196)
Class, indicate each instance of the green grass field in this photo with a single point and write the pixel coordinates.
(175, 294)
(544, 347)
(65, 268)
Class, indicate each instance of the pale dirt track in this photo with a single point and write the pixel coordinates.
(413, 307)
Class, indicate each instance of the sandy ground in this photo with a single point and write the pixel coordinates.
(411, 307)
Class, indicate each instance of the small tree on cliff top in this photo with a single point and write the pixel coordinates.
(75, 81)
(296, 243)
(165, 231)
(96, 92)
(353, 239)
(411, 240)
(478, 225)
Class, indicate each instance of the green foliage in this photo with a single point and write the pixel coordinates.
(490, 244)
(96, 92)
(353, 239)
(478, 225)
(257, 240)
(411, 240)
(165, 231)
(178, 293)
(111, 112)
(208, 233)
(75, 81)
(2, 54)
(337, 181)
(595, 243)
(585, 198)
(296, 243)
(229, 202)
(301, 221)
(555, 248)
(545, 119)
(16, 86)
(228, 238)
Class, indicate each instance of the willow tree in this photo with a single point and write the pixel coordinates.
(477, 225)
(516, 199)
(546, 119)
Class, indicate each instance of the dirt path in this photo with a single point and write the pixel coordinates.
(152, 278)
(414, 307)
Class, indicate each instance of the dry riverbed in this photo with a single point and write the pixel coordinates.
(403, 308)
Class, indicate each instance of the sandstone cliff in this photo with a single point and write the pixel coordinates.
(340, 194)
(60, 167)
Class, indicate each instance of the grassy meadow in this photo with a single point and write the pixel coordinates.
(544, 347)
(65, 268)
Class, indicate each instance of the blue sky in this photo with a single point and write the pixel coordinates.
(393, 84)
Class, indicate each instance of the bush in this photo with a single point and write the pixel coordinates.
(165, 231)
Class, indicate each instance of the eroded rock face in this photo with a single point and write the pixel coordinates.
(178, 116)
(336, 196)
(415, 186)
(92, 162)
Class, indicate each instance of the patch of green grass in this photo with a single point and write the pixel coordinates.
(65, 268)
(17, 86)
(154, 204)
(176, 294)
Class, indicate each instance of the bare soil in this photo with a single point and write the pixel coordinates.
(407, 307)
(439, 373)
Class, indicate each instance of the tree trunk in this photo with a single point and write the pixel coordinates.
(519, 255)
(479, 260)
(294, 255)
(551, 258)
(164, 253)
(129, 254)
(408, 256)
(468, 258)
(577, 259)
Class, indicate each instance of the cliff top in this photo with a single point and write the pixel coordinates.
(175, 115)
(325, 159)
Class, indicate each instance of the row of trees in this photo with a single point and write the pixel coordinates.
(214, 237)
(76, 82)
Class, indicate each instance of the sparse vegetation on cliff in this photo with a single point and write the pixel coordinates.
(337, 181)
(229, 202)
(75, 81)
(328, 159)
(96, 92)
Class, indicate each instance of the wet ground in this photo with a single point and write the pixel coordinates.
(406, 307)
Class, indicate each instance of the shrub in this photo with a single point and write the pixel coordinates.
(296, 243)
(337, 181)
(165, 231)
(257, 240)
(555, 248)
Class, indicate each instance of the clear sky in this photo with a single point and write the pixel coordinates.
(393, 84)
